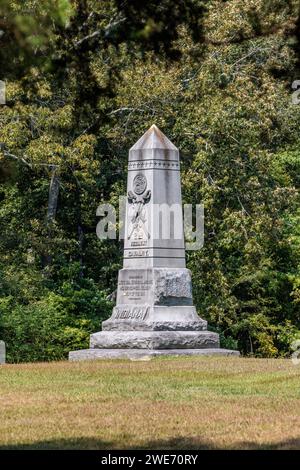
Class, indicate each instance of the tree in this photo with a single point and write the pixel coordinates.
(84, 80)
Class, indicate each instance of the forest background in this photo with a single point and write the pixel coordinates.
(83, 81)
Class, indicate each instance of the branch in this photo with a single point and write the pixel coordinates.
(242, 206)
(11, 155)
(120, 110)
(112, 25)
(87, 38)
(25, 162)
(257, 49)
(98, 32)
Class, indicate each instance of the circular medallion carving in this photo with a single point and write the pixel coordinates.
(139, 183)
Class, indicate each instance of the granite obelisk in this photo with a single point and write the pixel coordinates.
(154, 313)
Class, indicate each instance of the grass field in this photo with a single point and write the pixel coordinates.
(192, 403)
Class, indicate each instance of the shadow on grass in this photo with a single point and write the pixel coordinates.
(177, 443)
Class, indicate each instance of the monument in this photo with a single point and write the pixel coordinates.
(154, 313)
(2, 352)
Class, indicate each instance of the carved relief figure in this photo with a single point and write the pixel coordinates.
(137, 200)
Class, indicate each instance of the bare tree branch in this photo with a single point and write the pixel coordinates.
(87, 38)
(15, 157)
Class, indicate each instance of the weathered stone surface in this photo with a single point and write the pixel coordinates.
(154, 340)
(172, 287)
(143, 354)
(128, 317)
(2, 352)
(111, 325)
(155, 286)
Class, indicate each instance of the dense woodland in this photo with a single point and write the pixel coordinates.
(84, 80)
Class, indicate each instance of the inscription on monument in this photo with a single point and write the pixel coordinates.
(135, 287)
(137, 253)
(132, 313)
(139, 243)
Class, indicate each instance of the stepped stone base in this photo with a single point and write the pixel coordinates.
(145, 354)
(144, 345)
(154, 340)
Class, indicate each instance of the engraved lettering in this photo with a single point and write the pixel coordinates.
(132, 313)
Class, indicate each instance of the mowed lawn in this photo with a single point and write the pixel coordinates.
(165, 403)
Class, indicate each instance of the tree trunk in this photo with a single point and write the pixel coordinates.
(51, 211)
(53, 196)
(80, 242)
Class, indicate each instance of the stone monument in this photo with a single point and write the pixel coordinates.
(154, 313)
(2, 352)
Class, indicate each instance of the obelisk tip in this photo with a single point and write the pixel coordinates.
(154, 139)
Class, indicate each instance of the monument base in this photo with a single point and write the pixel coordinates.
(154, 318)
(154, 340)
(145, 354)
(144, 345)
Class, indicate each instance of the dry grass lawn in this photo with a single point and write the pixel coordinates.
(166, 403)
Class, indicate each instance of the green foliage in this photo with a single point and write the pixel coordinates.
(83, 81)
(226, 341)
(41, 331)
(47, 328)
(287, 333)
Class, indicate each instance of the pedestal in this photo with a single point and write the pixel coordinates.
(157, 319)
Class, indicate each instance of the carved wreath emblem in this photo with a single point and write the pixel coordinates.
(139, 183)
(138, 201)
